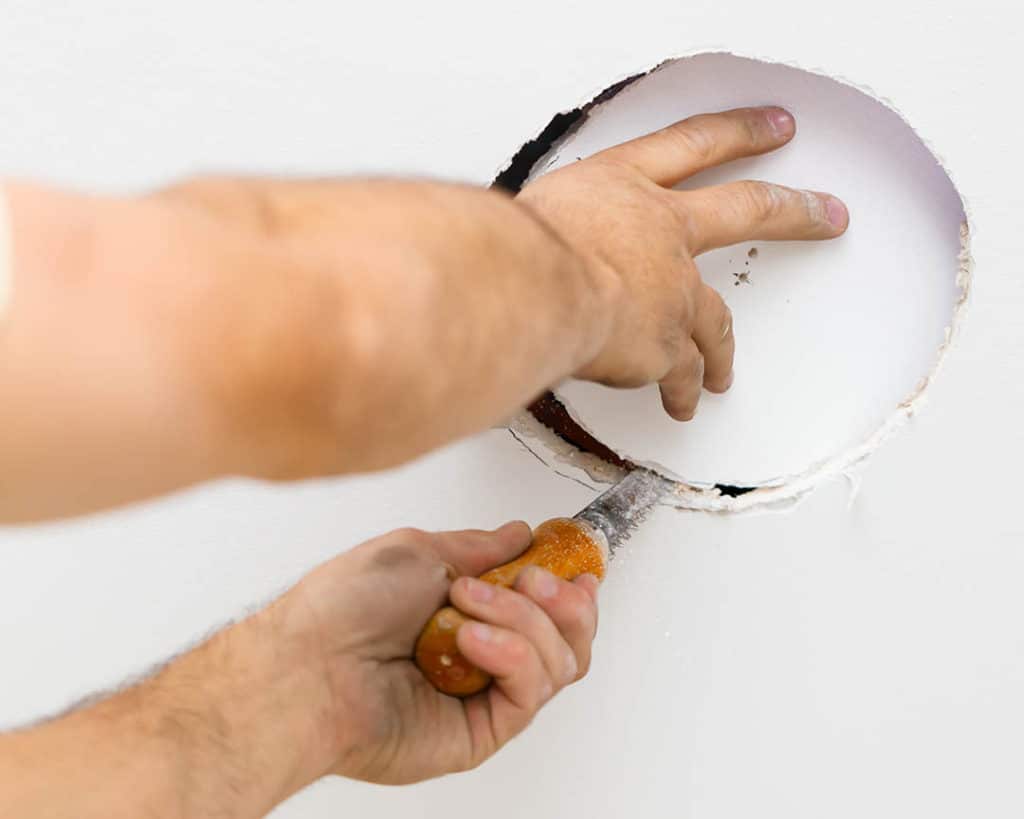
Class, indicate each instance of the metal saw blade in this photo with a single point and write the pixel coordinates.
(619, 510)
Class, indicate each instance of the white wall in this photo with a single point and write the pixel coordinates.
(844, 659)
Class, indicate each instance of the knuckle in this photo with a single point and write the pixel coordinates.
(542, 695)
(577, 596)
(761, 199)
(676, 320)
(517, 607)
(752, 127)
(687, 218)
(694, 138)
(411, 536)
(690, 300)
(570, 666)
(672, 337)
(576, 617)
(527, 613)
(584, 667)
(589, 622)
(519, 651)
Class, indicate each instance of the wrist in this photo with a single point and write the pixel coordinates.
(267, 728)
(230, 729)
(595, 310)
(608, 289)
(242, 722)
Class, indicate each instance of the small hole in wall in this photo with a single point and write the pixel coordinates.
(832, 338)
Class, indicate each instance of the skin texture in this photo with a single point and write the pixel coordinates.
(286, 329)
(320, 682)
(671, 327)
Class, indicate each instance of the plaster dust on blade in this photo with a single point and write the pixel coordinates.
(835, 340)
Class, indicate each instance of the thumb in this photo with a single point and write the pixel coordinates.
(473, 551)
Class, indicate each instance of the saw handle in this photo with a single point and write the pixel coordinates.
(566, 547)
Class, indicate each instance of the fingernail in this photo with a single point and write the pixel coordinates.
(544, 583)
(479, 590)
(838, 216)
(728, 381)
(782, 123)
(483, 632)
(546, 691)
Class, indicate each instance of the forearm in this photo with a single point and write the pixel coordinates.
(227, 730)
(420, 313)
(275, 329)
(97, 401)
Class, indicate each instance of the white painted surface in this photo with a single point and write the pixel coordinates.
(844, 660)
(831, 337)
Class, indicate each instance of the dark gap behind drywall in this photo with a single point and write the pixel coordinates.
(515, 174)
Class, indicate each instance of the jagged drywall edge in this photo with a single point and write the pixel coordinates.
(786, 491)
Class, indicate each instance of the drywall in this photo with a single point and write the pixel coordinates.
(832, 338)
(859, 655)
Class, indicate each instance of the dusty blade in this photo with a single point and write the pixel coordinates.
(622, 508)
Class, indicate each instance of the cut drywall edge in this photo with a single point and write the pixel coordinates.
(782, 494)
(784, 491)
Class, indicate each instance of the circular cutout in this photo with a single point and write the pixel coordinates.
(832, 337)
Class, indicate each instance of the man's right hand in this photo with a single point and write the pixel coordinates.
(290, 328)
(671, 327)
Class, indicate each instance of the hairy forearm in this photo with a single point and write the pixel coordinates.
(228, 730)
(275, 329)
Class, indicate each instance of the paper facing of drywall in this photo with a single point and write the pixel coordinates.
(833, 337)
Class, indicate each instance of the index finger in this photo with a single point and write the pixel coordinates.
(740, 211)
(684, 148)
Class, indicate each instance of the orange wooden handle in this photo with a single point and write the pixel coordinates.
(564, 546)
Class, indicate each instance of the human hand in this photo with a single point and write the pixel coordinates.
(617, 210)
(321, 681)
(361, 614)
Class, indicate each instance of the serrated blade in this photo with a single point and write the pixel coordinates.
(619, 510)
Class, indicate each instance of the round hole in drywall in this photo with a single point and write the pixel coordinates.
(834, 339)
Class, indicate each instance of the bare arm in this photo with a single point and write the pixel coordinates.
(282, 329)
(288, 329)
(320, 682)
(272, 329)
